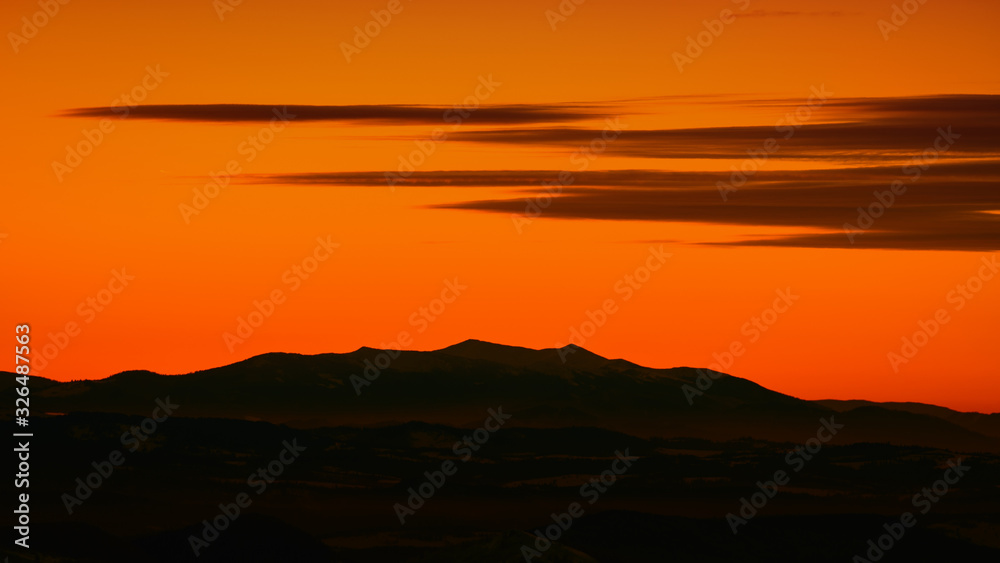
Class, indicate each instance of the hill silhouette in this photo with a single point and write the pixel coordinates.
(548, 388)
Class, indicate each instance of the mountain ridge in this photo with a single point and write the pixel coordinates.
(457, 384)
(831, 403)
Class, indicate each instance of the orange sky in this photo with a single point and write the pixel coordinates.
(192, 279)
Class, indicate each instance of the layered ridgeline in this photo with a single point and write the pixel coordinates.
(550, 388)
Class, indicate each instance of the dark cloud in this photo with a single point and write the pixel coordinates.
(958, 106)
(944, 171)
(936, 212)
(944, 209)
(819, 141)
(836, 129)
(854, 128)
(494, 178)
(965, 239)
(387, 114)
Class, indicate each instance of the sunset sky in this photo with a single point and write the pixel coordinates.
(642, 124)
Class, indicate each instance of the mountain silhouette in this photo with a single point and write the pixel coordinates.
(548, 388)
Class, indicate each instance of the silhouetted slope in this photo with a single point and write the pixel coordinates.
(986, 424)
(457, 385)
(335, 502)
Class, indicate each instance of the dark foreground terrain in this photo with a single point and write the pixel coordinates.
(466, 453)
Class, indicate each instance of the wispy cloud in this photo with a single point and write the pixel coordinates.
(388, 114)
(856, 128)
(949, 205)
(946, 209)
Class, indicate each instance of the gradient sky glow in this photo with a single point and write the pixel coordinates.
(554, 90)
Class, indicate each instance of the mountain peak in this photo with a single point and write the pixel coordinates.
(482, 350)
(476, 344)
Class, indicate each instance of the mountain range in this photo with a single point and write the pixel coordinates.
(548, 388)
